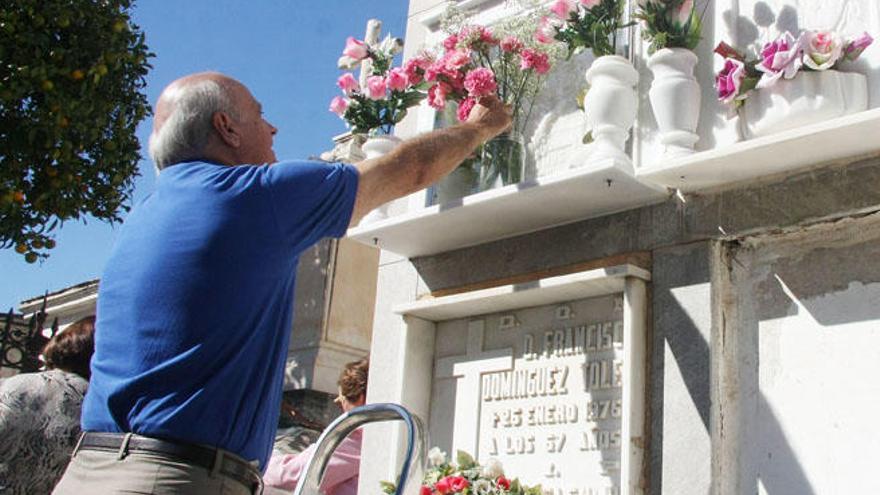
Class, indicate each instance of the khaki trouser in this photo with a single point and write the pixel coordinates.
(102, 472)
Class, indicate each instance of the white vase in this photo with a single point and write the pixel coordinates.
(610, 106)
(808, 98)
(377, 146)
(675, 99)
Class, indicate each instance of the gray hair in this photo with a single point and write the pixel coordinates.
(185, 133)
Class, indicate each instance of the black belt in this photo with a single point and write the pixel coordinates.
(230, 465)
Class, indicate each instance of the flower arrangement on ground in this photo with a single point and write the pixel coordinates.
(467, 477)
(581, 24)
(669, 23)
(383, 102)
(476, 61)
(782, 58)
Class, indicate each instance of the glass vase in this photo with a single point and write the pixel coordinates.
(502, 161)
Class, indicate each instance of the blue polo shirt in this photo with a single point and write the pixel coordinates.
(195, 304)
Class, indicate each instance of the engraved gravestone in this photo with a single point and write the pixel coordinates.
(539, 389)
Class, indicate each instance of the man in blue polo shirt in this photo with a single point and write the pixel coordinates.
(195, 303)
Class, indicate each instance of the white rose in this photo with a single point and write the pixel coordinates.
(492, 469)
(436, 457)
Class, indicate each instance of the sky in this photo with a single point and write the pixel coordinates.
(285, 51)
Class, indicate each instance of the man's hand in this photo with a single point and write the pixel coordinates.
(419, 162)
(491, 116)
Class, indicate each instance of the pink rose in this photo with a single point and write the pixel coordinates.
(355, 49)
(396, 80)
(338, 105)
(546, 32)
(376, 88)
(779, 58)
(443, 486)
(563, 8)
(503, 482)
(729, 80)
(589, 4)
(531, 59)
(464, 108)
(480, 82)
(511, 44)
(348, 84)
(856, 46)
(822, 49)
(437, 96)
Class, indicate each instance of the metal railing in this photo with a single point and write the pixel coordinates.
(343, 425)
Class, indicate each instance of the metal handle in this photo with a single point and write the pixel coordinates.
(354, 419)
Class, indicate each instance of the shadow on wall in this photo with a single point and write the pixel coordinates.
(804, 282)
(674, 327)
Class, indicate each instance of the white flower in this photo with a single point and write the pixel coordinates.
(436, 456)
(482, 486)
(391, 46)
(492, 469)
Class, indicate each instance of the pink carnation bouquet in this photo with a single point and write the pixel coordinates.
(783, 58)
(476, 61)
(378, 105)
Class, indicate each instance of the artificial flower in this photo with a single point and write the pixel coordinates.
(856, 46)
(822, 49)
(355, 49)
(396, 79)
(729, 81)
(338, 105)
(780, 58)
(348, 84)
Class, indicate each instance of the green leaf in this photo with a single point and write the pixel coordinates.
(388, 487)
(464, 460)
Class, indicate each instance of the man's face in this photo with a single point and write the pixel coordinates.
(257, 133)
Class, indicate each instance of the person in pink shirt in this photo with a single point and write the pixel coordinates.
(341, 477)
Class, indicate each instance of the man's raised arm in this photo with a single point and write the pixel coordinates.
(419, 162)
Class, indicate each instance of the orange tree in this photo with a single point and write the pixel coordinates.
(72, 74)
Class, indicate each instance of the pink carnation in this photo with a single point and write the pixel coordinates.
(546, 32)
(464, 108)
(456, 59)
(338, 105)
(511, 44)
(355, 49)
(563, 8)
(729, 81)
(348, 84)
(450, 42)
(589, 4)
(437, 96)
(396, 80)
(531, 59)
(480, 82)
(415, 69)
(376, 87)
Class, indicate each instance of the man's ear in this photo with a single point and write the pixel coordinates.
(226, 129)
